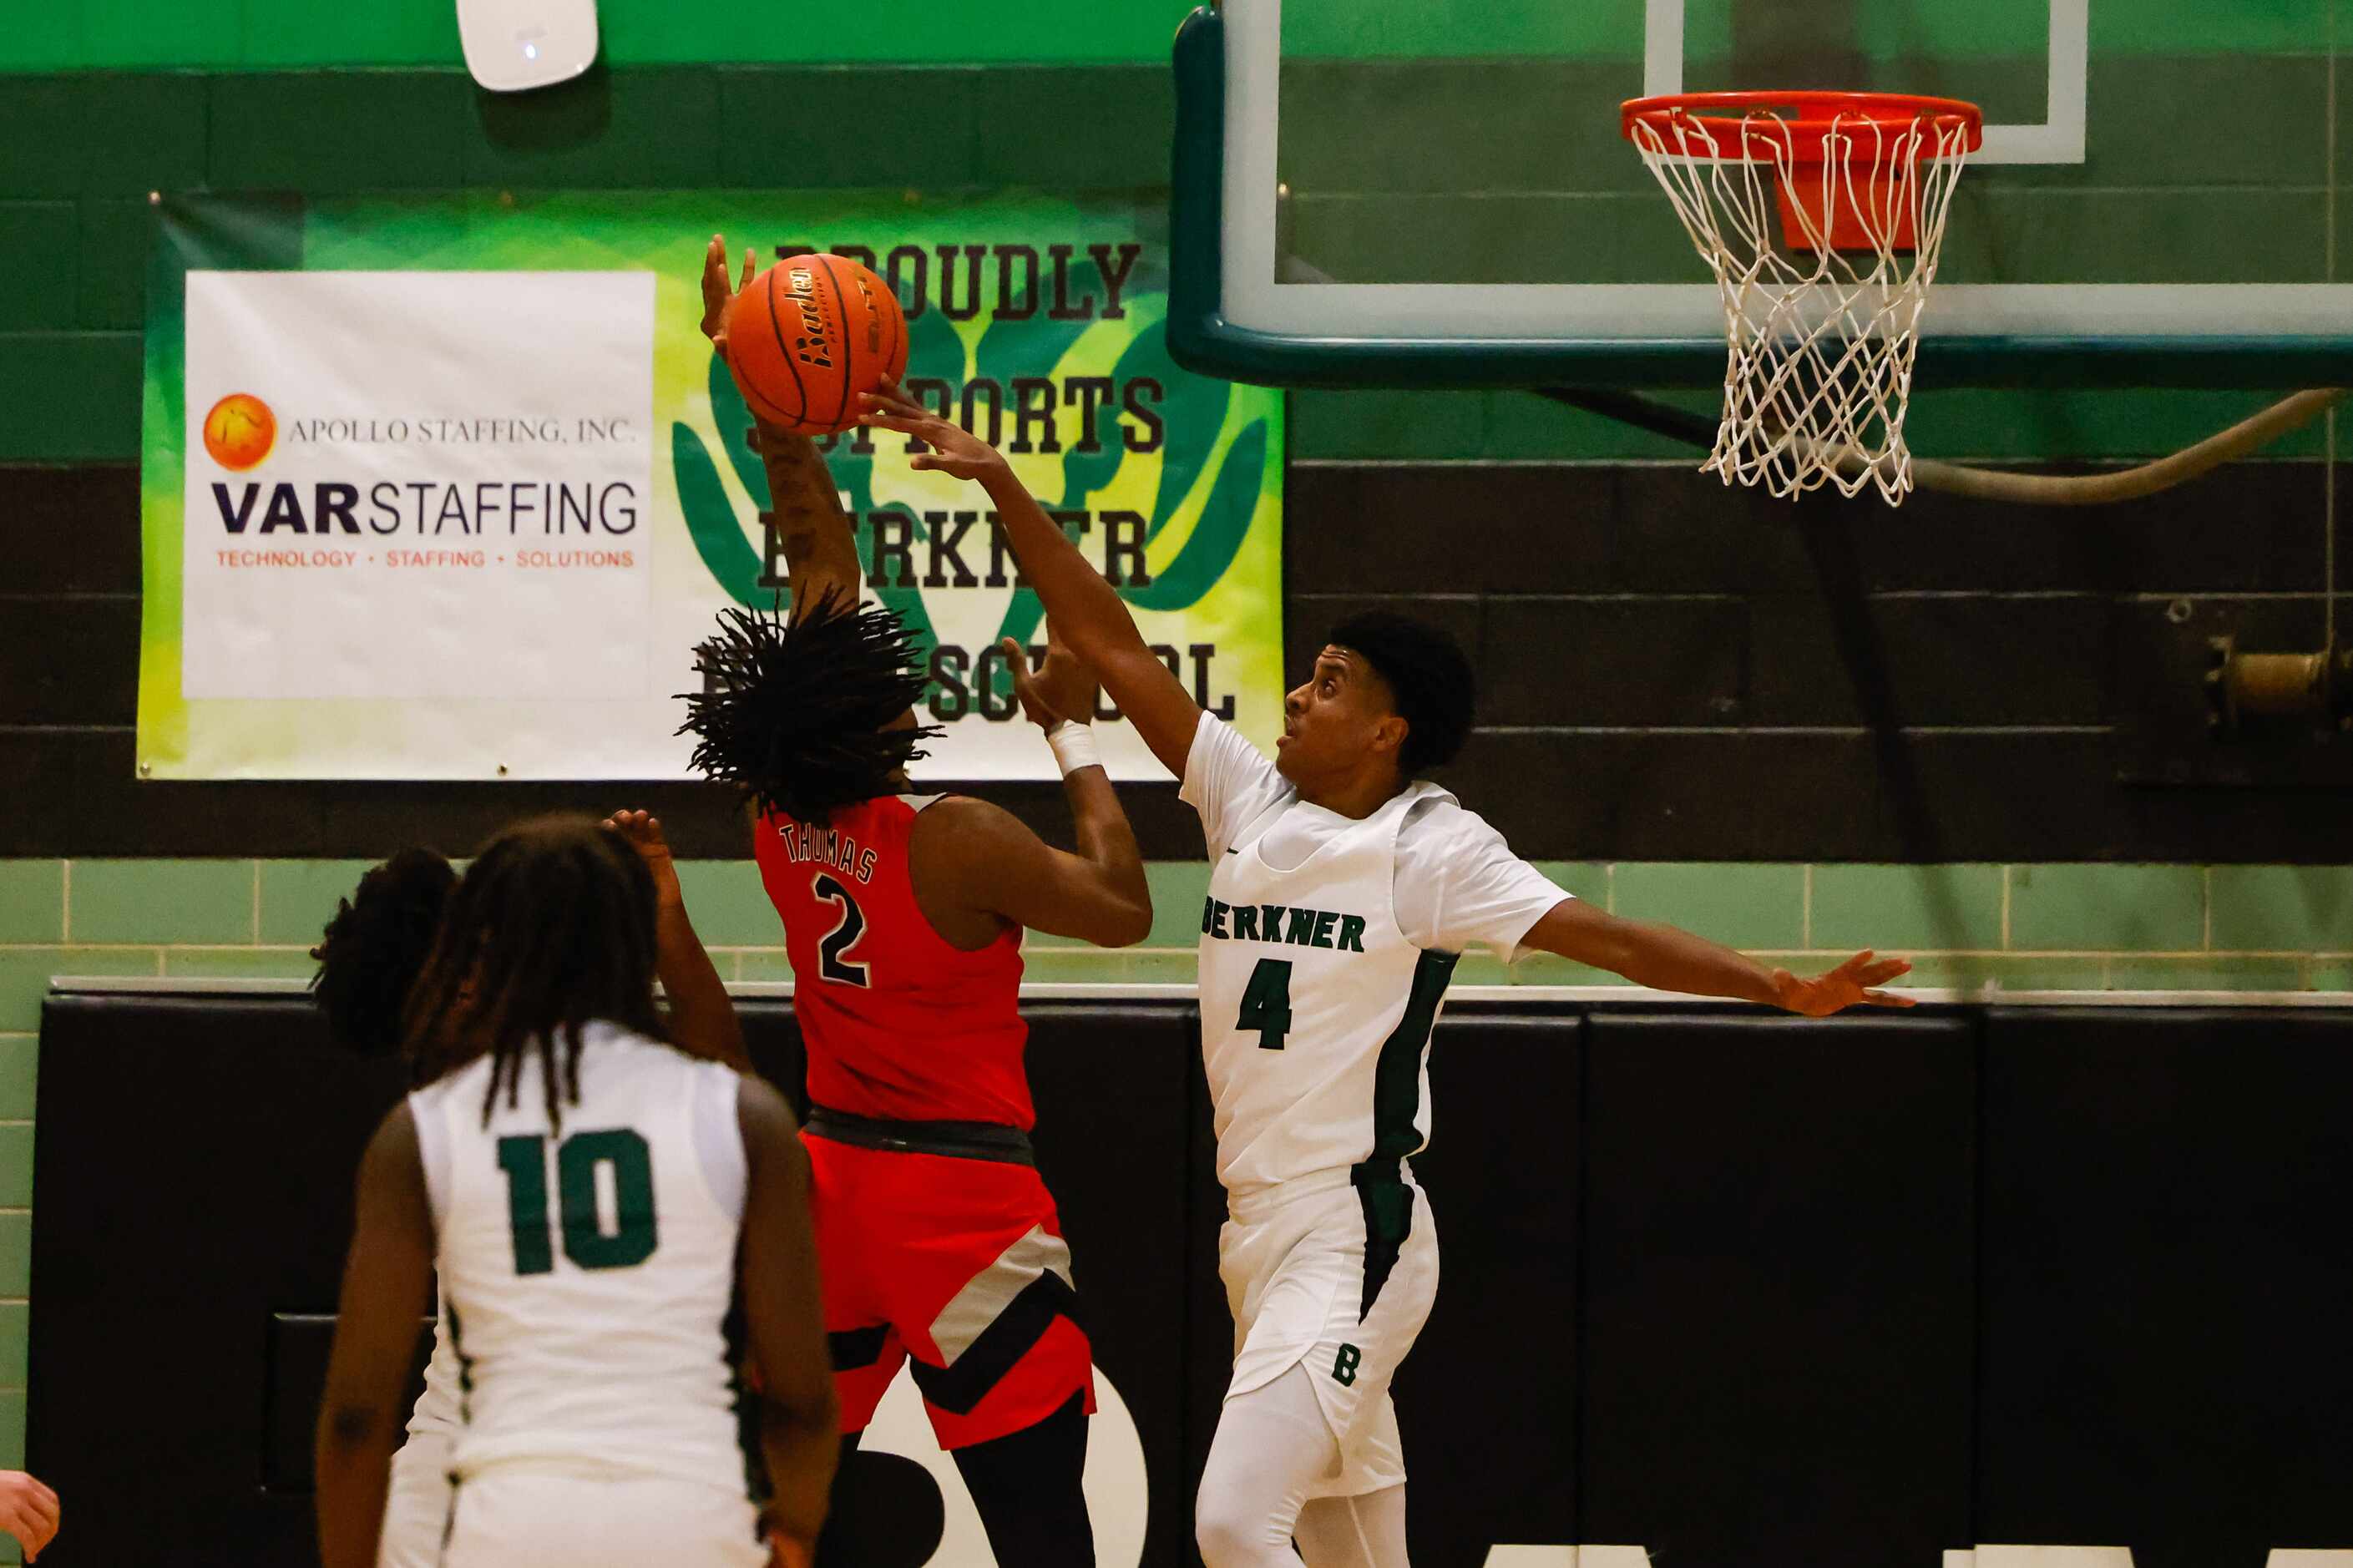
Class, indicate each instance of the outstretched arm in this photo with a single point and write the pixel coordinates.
(820, 551)
(1667, 957)
(387, 1284)
(970, 856)
(979, 859)
(1091, 615)
(703, 1018)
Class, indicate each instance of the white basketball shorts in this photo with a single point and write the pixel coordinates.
(516, 1516)
(1335, 1272)
(416, 1504)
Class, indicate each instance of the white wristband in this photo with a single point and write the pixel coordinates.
(1075, 747)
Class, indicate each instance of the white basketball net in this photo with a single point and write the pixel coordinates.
(1822, 339)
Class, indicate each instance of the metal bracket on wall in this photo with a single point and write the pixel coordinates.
(2244, 688)
(2230, 691)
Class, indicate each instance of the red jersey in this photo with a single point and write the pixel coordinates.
(898, 1023)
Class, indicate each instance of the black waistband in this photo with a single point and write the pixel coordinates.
(955, 1140)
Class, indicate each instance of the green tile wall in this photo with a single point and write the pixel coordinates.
(298, 897)
(32, 900)
(16, 1254)
(2083, 923)
(1747, 907)
(729, 906)
(1972, 927)
(161, 901)
(2133, 972)
(2129, 908)
(1893, 908)
(18, 1073)
(2269, 908)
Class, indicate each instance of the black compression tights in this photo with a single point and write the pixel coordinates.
(1025, 1486)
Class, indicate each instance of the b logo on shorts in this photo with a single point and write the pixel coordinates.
(1344, 1367)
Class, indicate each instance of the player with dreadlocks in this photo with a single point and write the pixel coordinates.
(369, 958)
(591, 1196)
(903, 916)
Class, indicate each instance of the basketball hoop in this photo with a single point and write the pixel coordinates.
(1824, 321)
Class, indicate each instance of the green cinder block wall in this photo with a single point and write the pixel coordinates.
(101, 102)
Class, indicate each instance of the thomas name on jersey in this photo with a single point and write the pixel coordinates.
(1283, 924)
(806, 841)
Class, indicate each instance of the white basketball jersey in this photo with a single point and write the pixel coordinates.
(585, 1272)
(1316, 1010)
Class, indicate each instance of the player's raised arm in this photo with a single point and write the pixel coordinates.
(1091, 615)
(786, 1324)
(820, 551)
(387, 1283)
(1667, 957)
(701, 1015)
(984, 860)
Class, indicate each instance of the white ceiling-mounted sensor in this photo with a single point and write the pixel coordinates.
(512, 46)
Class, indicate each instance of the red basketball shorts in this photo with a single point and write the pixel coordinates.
(958, 1264)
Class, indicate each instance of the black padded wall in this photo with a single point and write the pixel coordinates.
(1746, 1291)
(195, 1169)
(1487, 1403)
(1778, 1252)
(2166, 1329)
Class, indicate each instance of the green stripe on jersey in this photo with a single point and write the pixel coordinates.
(1397, 1077)
(465, 1362)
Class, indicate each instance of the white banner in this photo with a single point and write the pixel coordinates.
(438, 505)
(455, 499)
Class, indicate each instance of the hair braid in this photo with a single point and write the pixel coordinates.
(374, 949)
(551, 928)
(800, 711)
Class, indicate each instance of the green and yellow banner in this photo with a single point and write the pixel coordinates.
(448, 486)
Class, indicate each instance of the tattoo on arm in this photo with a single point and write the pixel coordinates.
(811, 528)
(799, 536)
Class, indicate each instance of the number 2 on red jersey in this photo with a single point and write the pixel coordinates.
(834, 962)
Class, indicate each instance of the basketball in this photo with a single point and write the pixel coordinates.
(810, 334)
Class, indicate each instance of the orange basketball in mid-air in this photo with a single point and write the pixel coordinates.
(807, 336)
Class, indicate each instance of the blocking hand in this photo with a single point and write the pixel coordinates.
(718, 293)
(955, 451)
(1852, 983)
(1062, 687)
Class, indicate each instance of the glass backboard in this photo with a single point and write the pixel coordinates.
(1439, 194)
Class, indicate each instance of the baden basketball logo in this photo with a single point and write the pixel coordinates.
(810, 346)
(239, 431)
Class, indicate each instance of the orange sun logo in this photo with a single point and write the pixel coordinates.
(239, 431)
